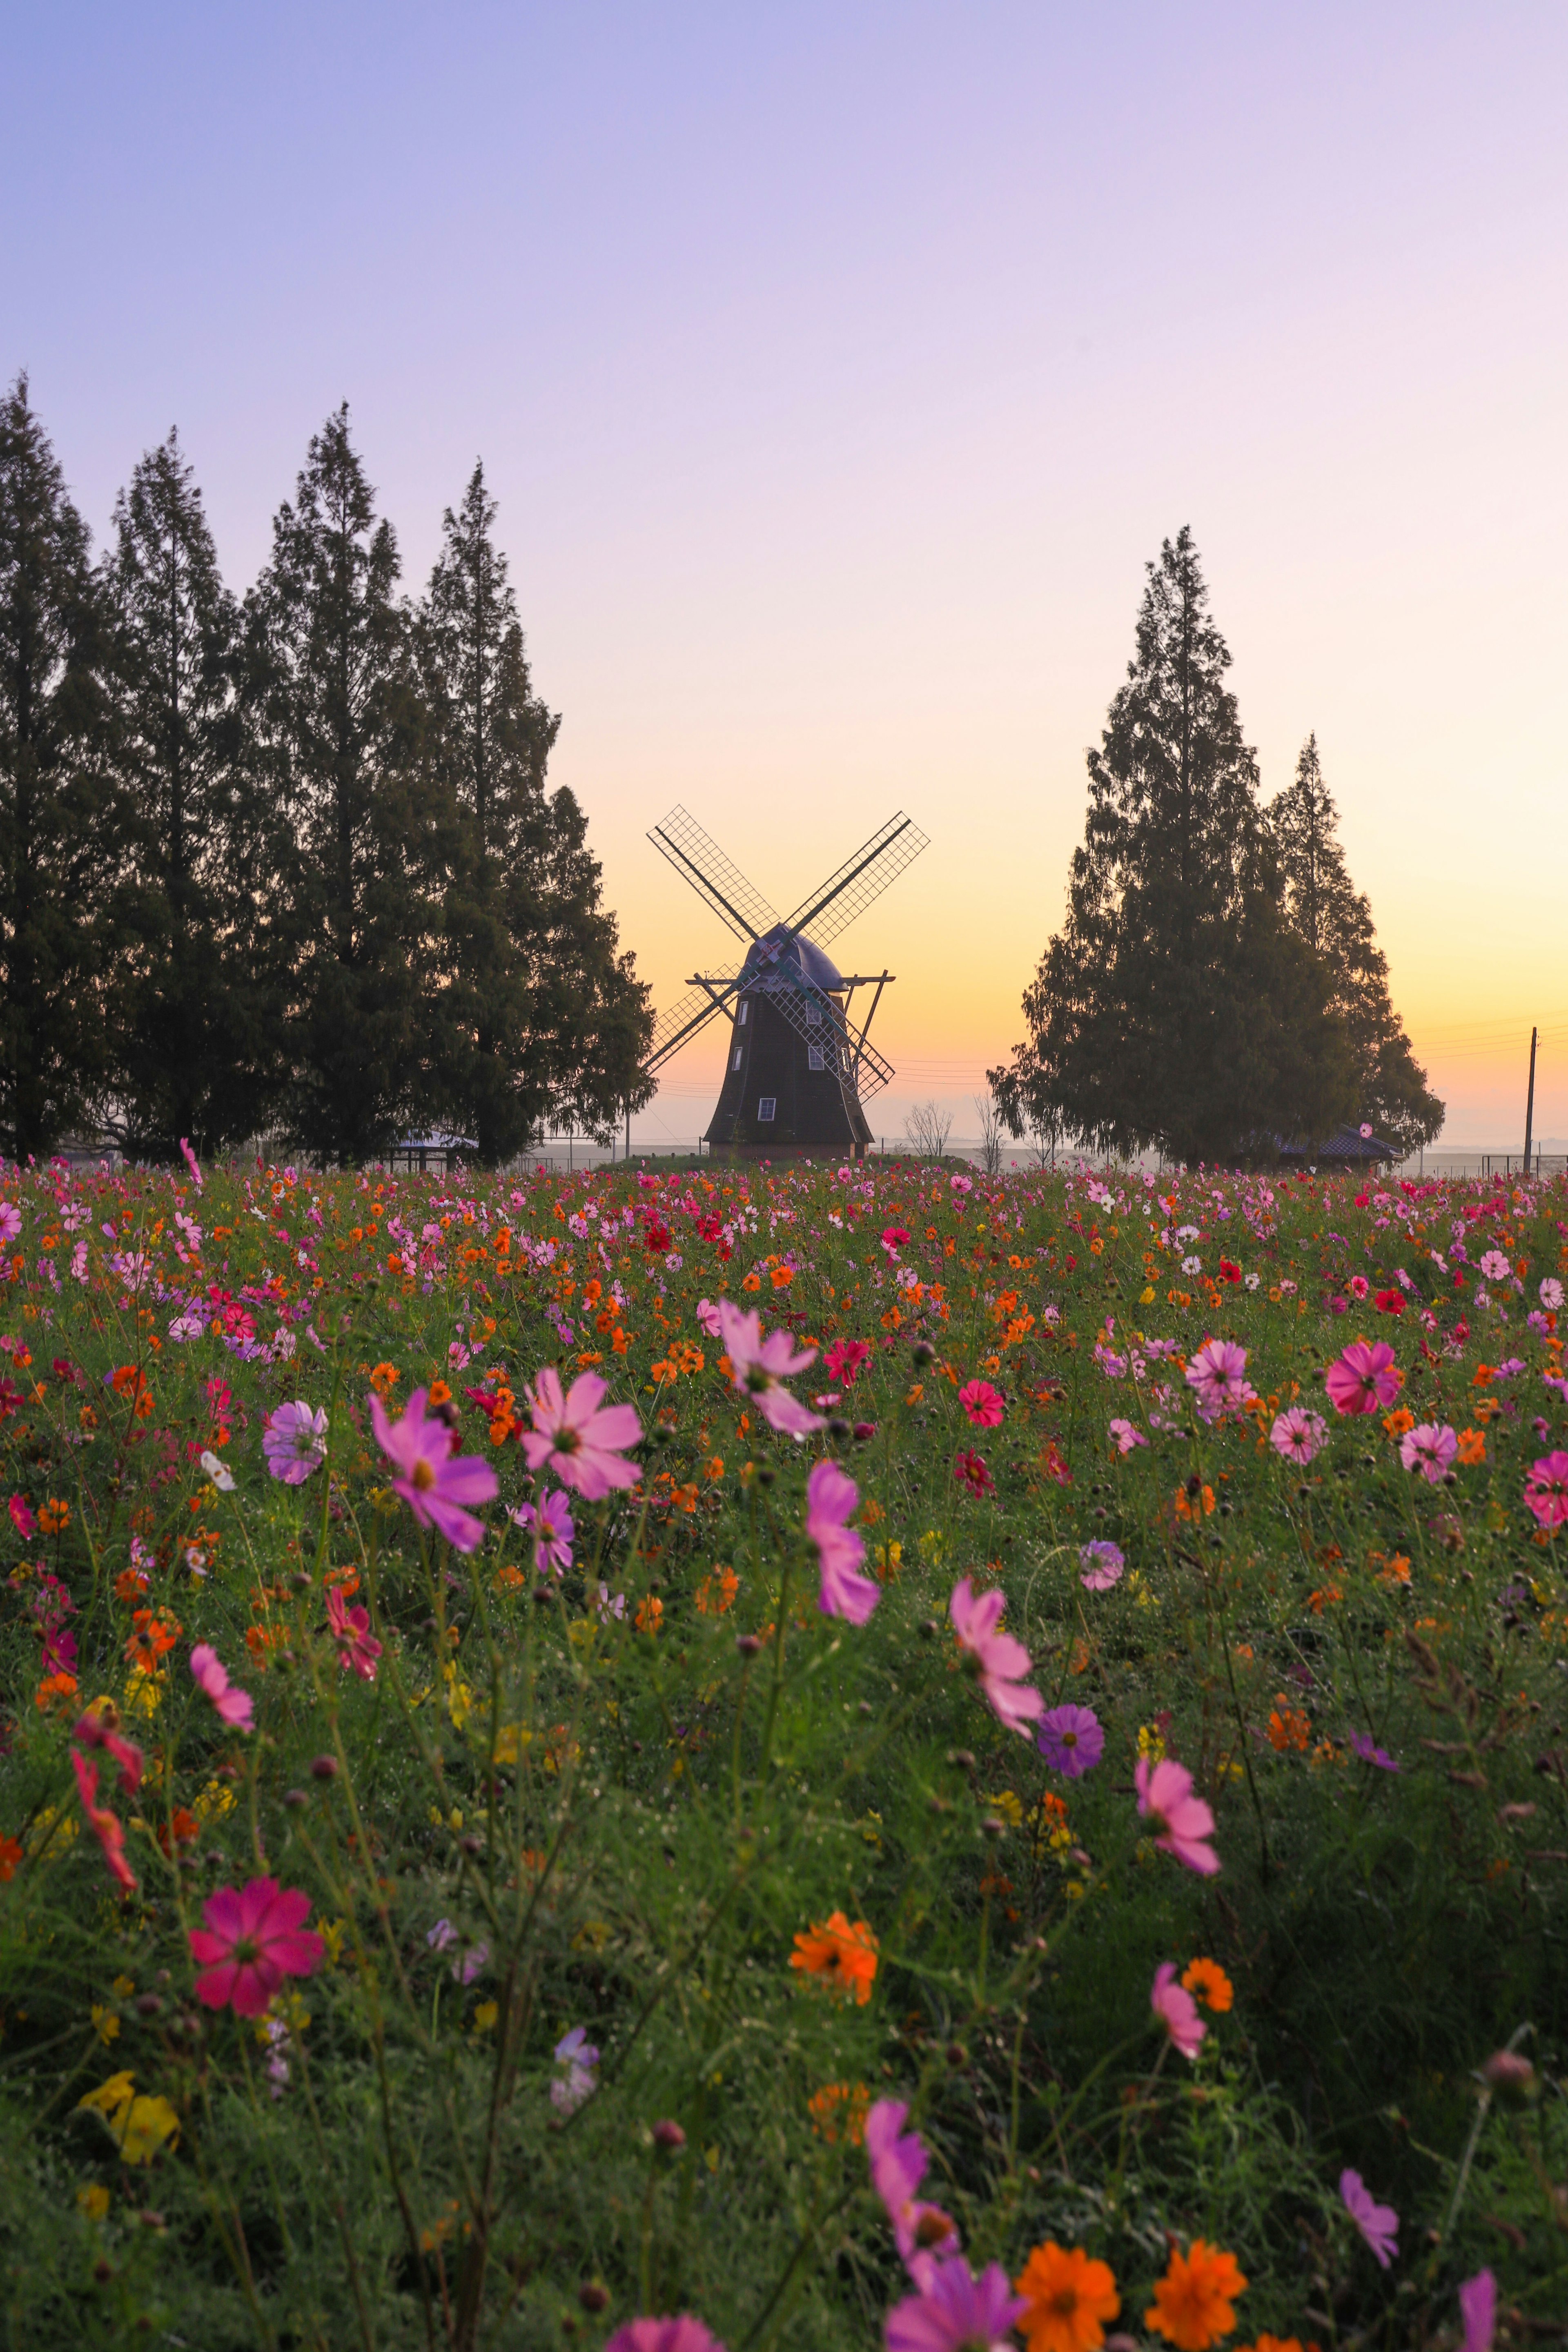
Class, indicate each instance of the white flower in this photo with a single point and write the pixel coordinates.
(1191, 1265)
(1253, 1280)
(219, 1473)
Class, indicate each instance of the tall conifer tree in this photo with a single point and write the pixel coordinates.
(186, 1006)
(336, 725)
(538, 1014)
(1175, 1007)
(59, 830)
(1329, 913)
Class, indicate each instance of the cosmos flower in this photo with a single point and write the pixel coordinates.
(550, 1523)
(255, 1937)
(1372, 1754)
(970, 1470)
(1101, 1563)
(1185, 1824)
(1126, 1436)
(1068, 2296)
(682, 2334)
(1298, 1436)
(844, 1359)
(897, 2159)
(358, 1648)
(1478, 2311)
(1176, 2010)
(955, 2312)
(1379, 2224)
(996, 1660)
(760, 1367)
(1071, 1740)
(1546, 1489)
(830, 1497)
(982, 1404)
(1430, 1448)
(104, 1823)
(1364, 1378)
(230, 1703)
(1193, 2303)
(579, 2058)
(294, 1439)
(1218, 1377)
(577, 1440)
(435, 1482)
(841, 1954)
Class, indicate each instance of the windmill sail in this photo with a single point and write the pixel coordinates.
(859, 880)
(716, 879)
(680, 1021)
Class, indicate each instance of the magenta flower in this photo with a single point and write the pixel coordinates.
(1217, 1377)
(682, 2334)
(1176, 2010)
(844, 1359)
(294, 1441)
(1546, 1489)
(830, 1497)
(983, 1403)
(230, 1703)
(578, 1440)
(760, 1367)
(923, 2232)
(22, 1518)
(357, 1645)
(1071, 1740)
(549, 1524)
(707, 1317)
(1431, 1449)
(254, 1937)
(955, 2312)
(1126, 1436)
(92, 1731)
(192, 1162)
(1364, 1378)
(1298, 1436)
(434, 1484)
(1370, 1753)
(970, 1470)
(995, 1658)
(1165, 1796)
(1478, 2311)
(1101, 1563)
(1379, 2224)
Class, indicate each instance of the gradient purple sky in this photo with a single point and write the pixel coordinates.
(838, 369)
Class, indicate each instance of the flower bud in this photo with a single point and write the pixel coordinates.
(668, 2135)
(592, 2296)
(1511, 2077)
(323, 1768)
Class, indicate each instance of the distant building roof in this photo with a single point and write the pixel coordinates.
(1350, 1143)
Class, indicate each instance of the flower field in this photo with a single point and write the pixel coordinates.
(782, 1758)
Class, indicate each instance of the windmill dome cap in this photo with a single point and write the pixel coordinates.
(813, 965)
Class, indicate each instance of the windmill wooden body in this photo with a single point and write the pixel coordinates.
(798, 1066)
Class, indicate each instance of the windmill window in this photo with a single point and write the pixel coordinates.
(767, 1105)
(813, 1016)
(741, 1016)
(815, 1059)
(736, 1063)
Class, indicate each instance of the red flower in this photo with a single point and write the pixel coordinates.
(1228, 1273)
(970, 1472)
(656, 1238)
(1389, 1302)
(255, 1937)
(106, 1826)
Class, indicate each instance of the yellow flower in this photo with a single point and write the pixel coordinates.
(105, 2023)
(1007, 1805)
(142, 2127)
(484, 2016)
(92, 2202)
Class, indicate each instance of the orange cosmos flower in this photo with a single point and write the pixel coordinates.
(385, 1379)
(10, 1855)
(1472, 1447)
(840, 2106)
(1211, 1984)
(1069, 2296)
(54, 1516)
(1192, 2303)
(843, 1956)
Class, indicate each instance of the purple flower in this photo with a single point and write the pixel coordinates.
(549, 1524)
(1431, 1449)
(1370, 1754)
(1071, 1740)
(434, 1485)
(1478, 2309)
(1101, 1563)
(1217, 1377)
(956, 2311)
(470, 1962)
(1379, 2224)
(1126, 1436)
(760, 1367)
(579, 2056)
(295, 1442)
(830, 1497)
(897, 2159)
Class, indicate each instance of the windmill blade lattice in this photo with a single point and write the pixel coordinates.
(794, 999)
(687, 1017)
(716, 879)
(859, 880)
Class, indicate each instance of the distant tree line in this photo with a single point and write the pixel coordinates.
(1216, 989)
(285, 864)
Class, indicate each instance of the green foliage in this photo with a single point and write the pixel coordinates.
(617, 1800)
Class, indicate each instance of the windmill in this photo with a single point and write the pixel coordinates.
(798, 1067)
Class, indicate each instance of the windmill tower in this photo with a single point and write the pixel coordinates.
(798, 1066)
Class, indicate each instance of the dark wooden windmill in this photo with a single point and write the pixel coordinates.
(798, 1067)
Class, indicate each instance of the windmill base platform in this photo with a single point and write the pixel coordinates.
(749, 1155)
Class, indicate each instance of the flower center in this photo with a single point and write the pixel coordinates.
(423, 1476)
(1065, 2301)
(246, 1953)
(1069, 1739)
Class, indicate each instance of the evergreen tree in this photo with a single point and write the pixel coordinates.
(1175, 1007)
(1334, 919)
(537, 1014)
(59, 819)
(336, 727)
(187, 1035)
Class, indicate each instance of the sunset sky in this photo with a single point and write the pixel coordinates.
(838, 369)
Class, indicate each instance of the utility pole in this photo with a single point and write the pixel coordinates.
(1529, 1102)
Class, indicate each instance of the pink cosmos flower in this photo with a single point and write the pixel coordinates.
(844, 1359)
(1101, 1563)
(92, 1731)
(1379, 2224)
(682, 2334)
(1298, 1436)
(1551, 1299)
(998, 1660)
(577, 1440)
(294, 1441)
(230, 1703)
(434, 1484)
(358, 1648)
(22, 1518)
(1165, 1796)
(550, 1523)
(1431, 1449)
(1358, 1286)
(580, 2057)
(830, 1497)
(1126, 1436)
(1478, 2311)
(106, 1825)
(11, 1222)
(1176, 2010)
(1217, 1377)
(192, 1163)
(982, 1404)
(254, 1937)
(1546, 1489)
(707, 1317)
(897, 2159)
(1364, 1378)
(760, 1367)
(956, 2311)
(970, 1470)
